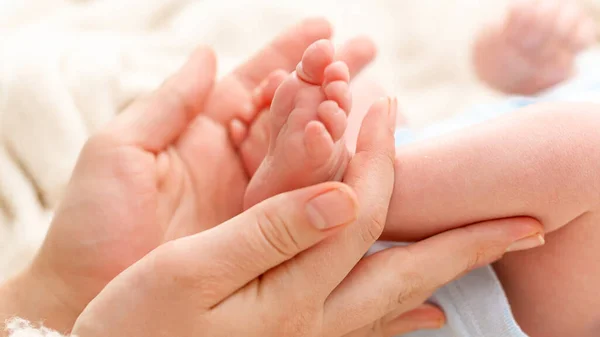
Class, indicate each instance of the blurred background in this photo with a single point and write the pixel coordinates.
(69, 66)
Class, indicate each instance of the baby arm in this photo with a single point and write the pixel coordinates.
(541, 162)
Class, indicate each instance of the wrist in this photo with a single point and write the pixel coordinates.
(31, 296)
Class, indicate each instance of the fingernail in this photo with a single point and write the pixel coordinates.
(392, 110)
(529, 242)
(433, 325)
(331, 209)
(428, 323)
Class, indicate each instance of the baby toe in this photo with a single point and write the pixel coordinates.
(339, 91)
(316, 58)
(333, 118)
(318, 142)
(337, 71)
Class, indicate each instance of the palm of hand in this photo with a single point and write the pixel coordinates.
(154, 176)
(132, 200)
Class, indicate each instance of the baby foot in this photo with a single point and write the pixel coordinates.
(307, 120)
(534, 48)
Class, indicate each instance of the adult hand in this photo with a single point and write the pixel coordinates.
(159, 172)
(291, 266)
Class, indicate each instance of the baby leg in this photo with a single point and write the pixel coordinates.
(553, 290)
(540, 162)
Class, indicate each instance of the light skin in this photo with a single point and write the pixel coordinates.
(307, 121)
(257, 269)
(533, 47)
(537, 163)
(549, 26)
(542, 159)
(140, 168)
(44, 292)
(252, 261)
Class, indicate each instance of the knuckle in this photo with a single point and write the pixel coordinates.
(411, 284)
(278, 234)
(478, 253)
(476, 259)
(373, 227)
(387, 157)
(174, 269)
(300, 319)
(375, 329)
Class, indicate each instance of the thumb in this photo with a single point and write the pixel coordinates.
(155, 121)
(268, 234)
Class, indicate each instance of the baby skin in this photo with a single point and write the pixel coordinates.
(533, 47)
(468, 177)
(536, 162)
(306, 124)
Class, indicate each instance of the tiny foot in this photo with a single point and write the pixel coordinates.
(534, 47)
(306, 123)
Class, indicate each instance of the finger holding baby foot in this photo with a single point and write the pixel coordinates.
(263, 95)
(255, 137)
(232, 96)
(307, 121)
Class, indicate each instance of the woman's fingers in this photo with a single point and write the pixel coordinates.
(424, 317)
(371, 174)
(357, 53)
(224, 259)
(284, 52)
(232, 97)
(154, 122)
(403, 277)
